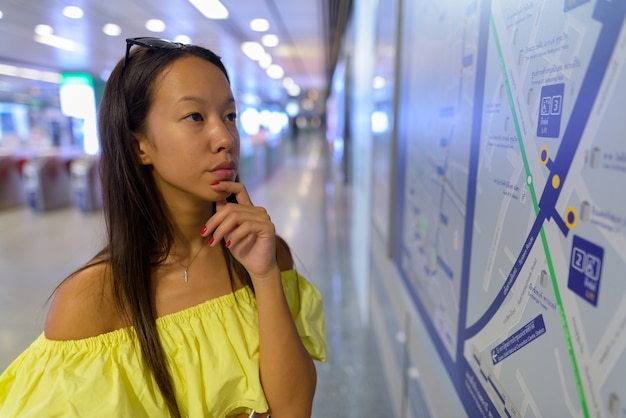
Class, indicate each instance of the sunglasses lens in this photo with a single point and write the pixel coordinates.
(149, 42)
(153, 42)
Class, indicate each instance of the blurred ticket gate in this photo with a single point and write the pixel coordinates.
(11, 186)
(85, 184)
(47, 183)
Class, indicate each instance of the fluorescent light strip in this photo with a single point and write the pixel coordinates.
(211, 9)
(58, 42)
(29, 73)
(259, 25)
(253, 50)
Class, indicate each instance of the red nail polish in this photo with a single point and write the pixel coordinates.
(227, 244)
(215, 184)
(211, 240)
(203, 230)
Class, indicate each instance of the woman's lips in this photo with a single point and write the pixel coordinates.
(226, 171)
(223, 174)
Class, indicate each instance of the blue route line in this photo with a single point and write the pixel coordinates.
(611, 15)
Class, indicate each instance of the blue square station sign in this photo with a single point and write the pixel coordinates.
(550, 109)
(585, 269)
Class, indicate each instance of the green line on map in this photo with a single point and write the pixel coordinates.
(544, 240)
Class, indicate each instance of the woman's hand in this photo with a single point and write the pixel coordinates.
(247, 230)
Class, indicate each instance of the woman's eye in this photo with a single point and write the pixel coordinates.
(231, 117)
(195, 117)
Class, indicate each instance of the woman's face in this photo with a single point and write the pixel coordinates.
(191, 139)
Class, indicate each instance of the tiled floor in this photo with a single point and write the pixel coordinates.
(308, 204)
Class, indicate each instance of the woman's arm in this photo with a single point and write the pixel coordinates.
(288, 374)
(286, 366)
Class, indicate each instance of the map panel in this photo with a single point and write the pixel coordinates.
(437, 159)
(512, 231)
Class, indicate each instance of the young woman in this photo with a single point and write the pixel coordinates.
(193, 308)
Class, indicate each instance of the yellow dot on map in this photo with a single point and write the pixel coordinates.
(556, 181)
(571, 217)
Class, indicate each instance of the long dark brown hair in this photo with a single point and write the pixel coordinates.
(139, 230)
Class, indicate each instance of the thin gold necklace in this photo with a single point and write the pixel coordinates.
(186, 267)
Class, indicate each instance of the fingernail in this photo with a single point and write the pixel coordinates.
(211, 240)
(203, 230)
(227, 244)
(215, 184)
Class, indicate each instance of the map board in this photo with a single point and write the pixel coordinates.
(511, 228)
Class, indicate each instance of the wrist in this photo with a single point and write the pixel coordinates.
(270, 279)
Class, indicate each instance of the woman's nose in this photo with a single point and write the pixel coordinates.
(222, 139)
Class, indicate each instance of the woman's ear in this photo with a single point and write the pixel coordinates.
(142, 146)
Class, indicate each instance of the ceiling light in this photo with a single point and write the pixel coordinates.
(155, 25)
(183, 39)
(275, 71)
(379, 82)
(30, 74)
(73, 12)
(288, 82)
(58, 42)
(259, 25)
(294, 90)
(112, 29)
(265, 61)
(270, 40)
(1, 14)
(44, 35)
(211, 9)
(253, 50)
(43, 30)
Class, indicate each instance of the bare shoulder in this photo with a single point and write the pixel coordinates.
(283, 254)
(82, 306)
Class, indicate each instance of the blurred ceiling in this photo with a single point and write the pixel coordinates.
(309, 33)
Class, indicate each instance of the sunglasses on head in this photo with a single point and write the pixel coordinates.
(149, 42)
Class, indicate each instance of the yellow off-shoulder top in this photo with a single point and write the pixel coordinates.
(213, 354)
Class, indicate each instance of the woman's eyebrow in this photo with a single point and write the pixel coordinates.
(197, 99)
